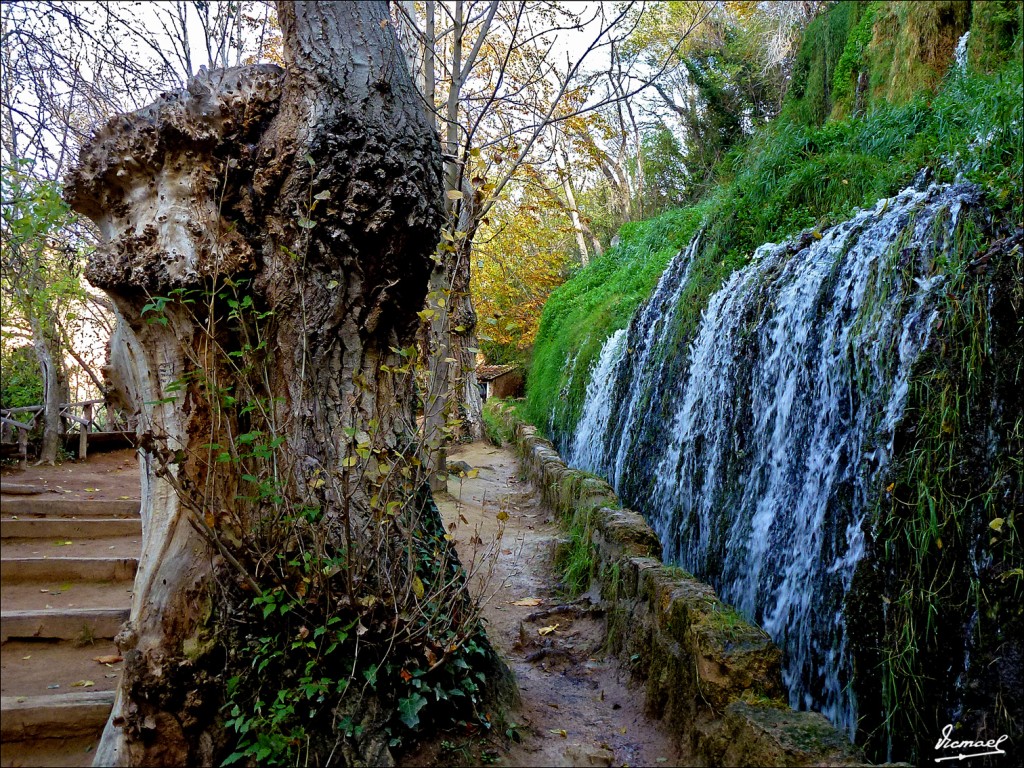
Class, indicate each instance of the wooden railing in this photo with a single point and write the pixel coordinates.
(88, 417)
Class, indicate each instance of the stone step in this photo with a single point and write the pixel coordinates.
(69, 528)
(33, 506)
(69, 752)
(61, 548)
(80, 624)
(52, 667)
(27, 718)
(50, 569)
(57, 595)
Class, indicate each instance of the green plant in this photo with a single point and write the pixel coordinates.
(495, 427)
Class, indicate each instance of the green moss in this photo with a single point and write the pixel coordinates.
(948, 503)
(995, 33)
(809, 100)
(912, 47)
(851, 64)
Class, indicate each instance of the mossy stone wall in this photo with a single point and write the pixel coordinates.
(711, 676)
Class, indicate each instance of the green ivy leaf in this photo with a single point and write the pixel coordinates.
(409, 709)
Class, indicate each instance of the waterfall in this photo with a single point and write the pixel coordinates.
(585, 449)
(960, 54)
(765, 436)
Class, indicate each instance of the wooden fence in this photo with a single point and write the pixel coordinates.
(82, 421)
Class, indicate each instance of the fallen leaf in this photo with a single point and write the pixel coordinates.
(528, 602)
(405, 675)
(26, 658)
(622, 729)
(124, 498)
(83, 684)
(21, 699)
(547, 630)
(91, 490)
(996, 525)
(560, 732)
(111, 659)
(62, 543)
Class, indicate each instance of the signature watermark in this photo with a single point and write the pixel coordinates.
(977, 748)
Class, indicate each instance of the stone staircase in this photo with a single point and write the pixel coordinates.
(67, 566)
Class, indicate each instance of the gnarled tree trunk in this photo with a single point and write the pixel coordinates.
(268, 237)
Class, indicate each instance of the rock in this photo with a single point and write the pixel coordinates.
(589, 755)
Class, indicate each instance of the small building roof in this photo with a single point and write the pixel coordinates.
(491, 372)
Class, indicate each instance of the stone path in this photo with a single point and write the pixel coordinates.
(69, 554)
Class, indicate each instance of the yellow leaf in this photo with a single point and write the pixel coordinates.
(454, 194)
(417, 587)
(528, 602)
(473, 472)
(426, 314)
(544, 631)
(502, 516)
(997, 524)
(83, 684)
(349, 461)
(889, 487)
(318, 483)
(560, 732)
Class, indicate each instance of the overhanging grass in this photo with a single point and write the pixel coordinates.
(598, 301)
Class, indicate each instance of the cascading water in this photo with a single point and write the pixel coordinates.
(764, 439)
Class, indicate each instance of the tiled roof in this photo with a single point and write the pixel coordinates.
(491, 372)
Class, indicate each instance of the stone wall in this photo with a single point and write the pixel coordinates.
(711, 676)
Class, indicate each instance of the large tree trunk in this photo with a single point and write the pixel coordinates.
(268, 243)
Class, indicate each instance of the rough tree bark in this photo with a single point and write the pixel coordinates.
(54, 389)
(311, 197)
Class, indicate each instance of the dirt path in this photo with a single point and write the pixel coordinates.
(577, 709)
